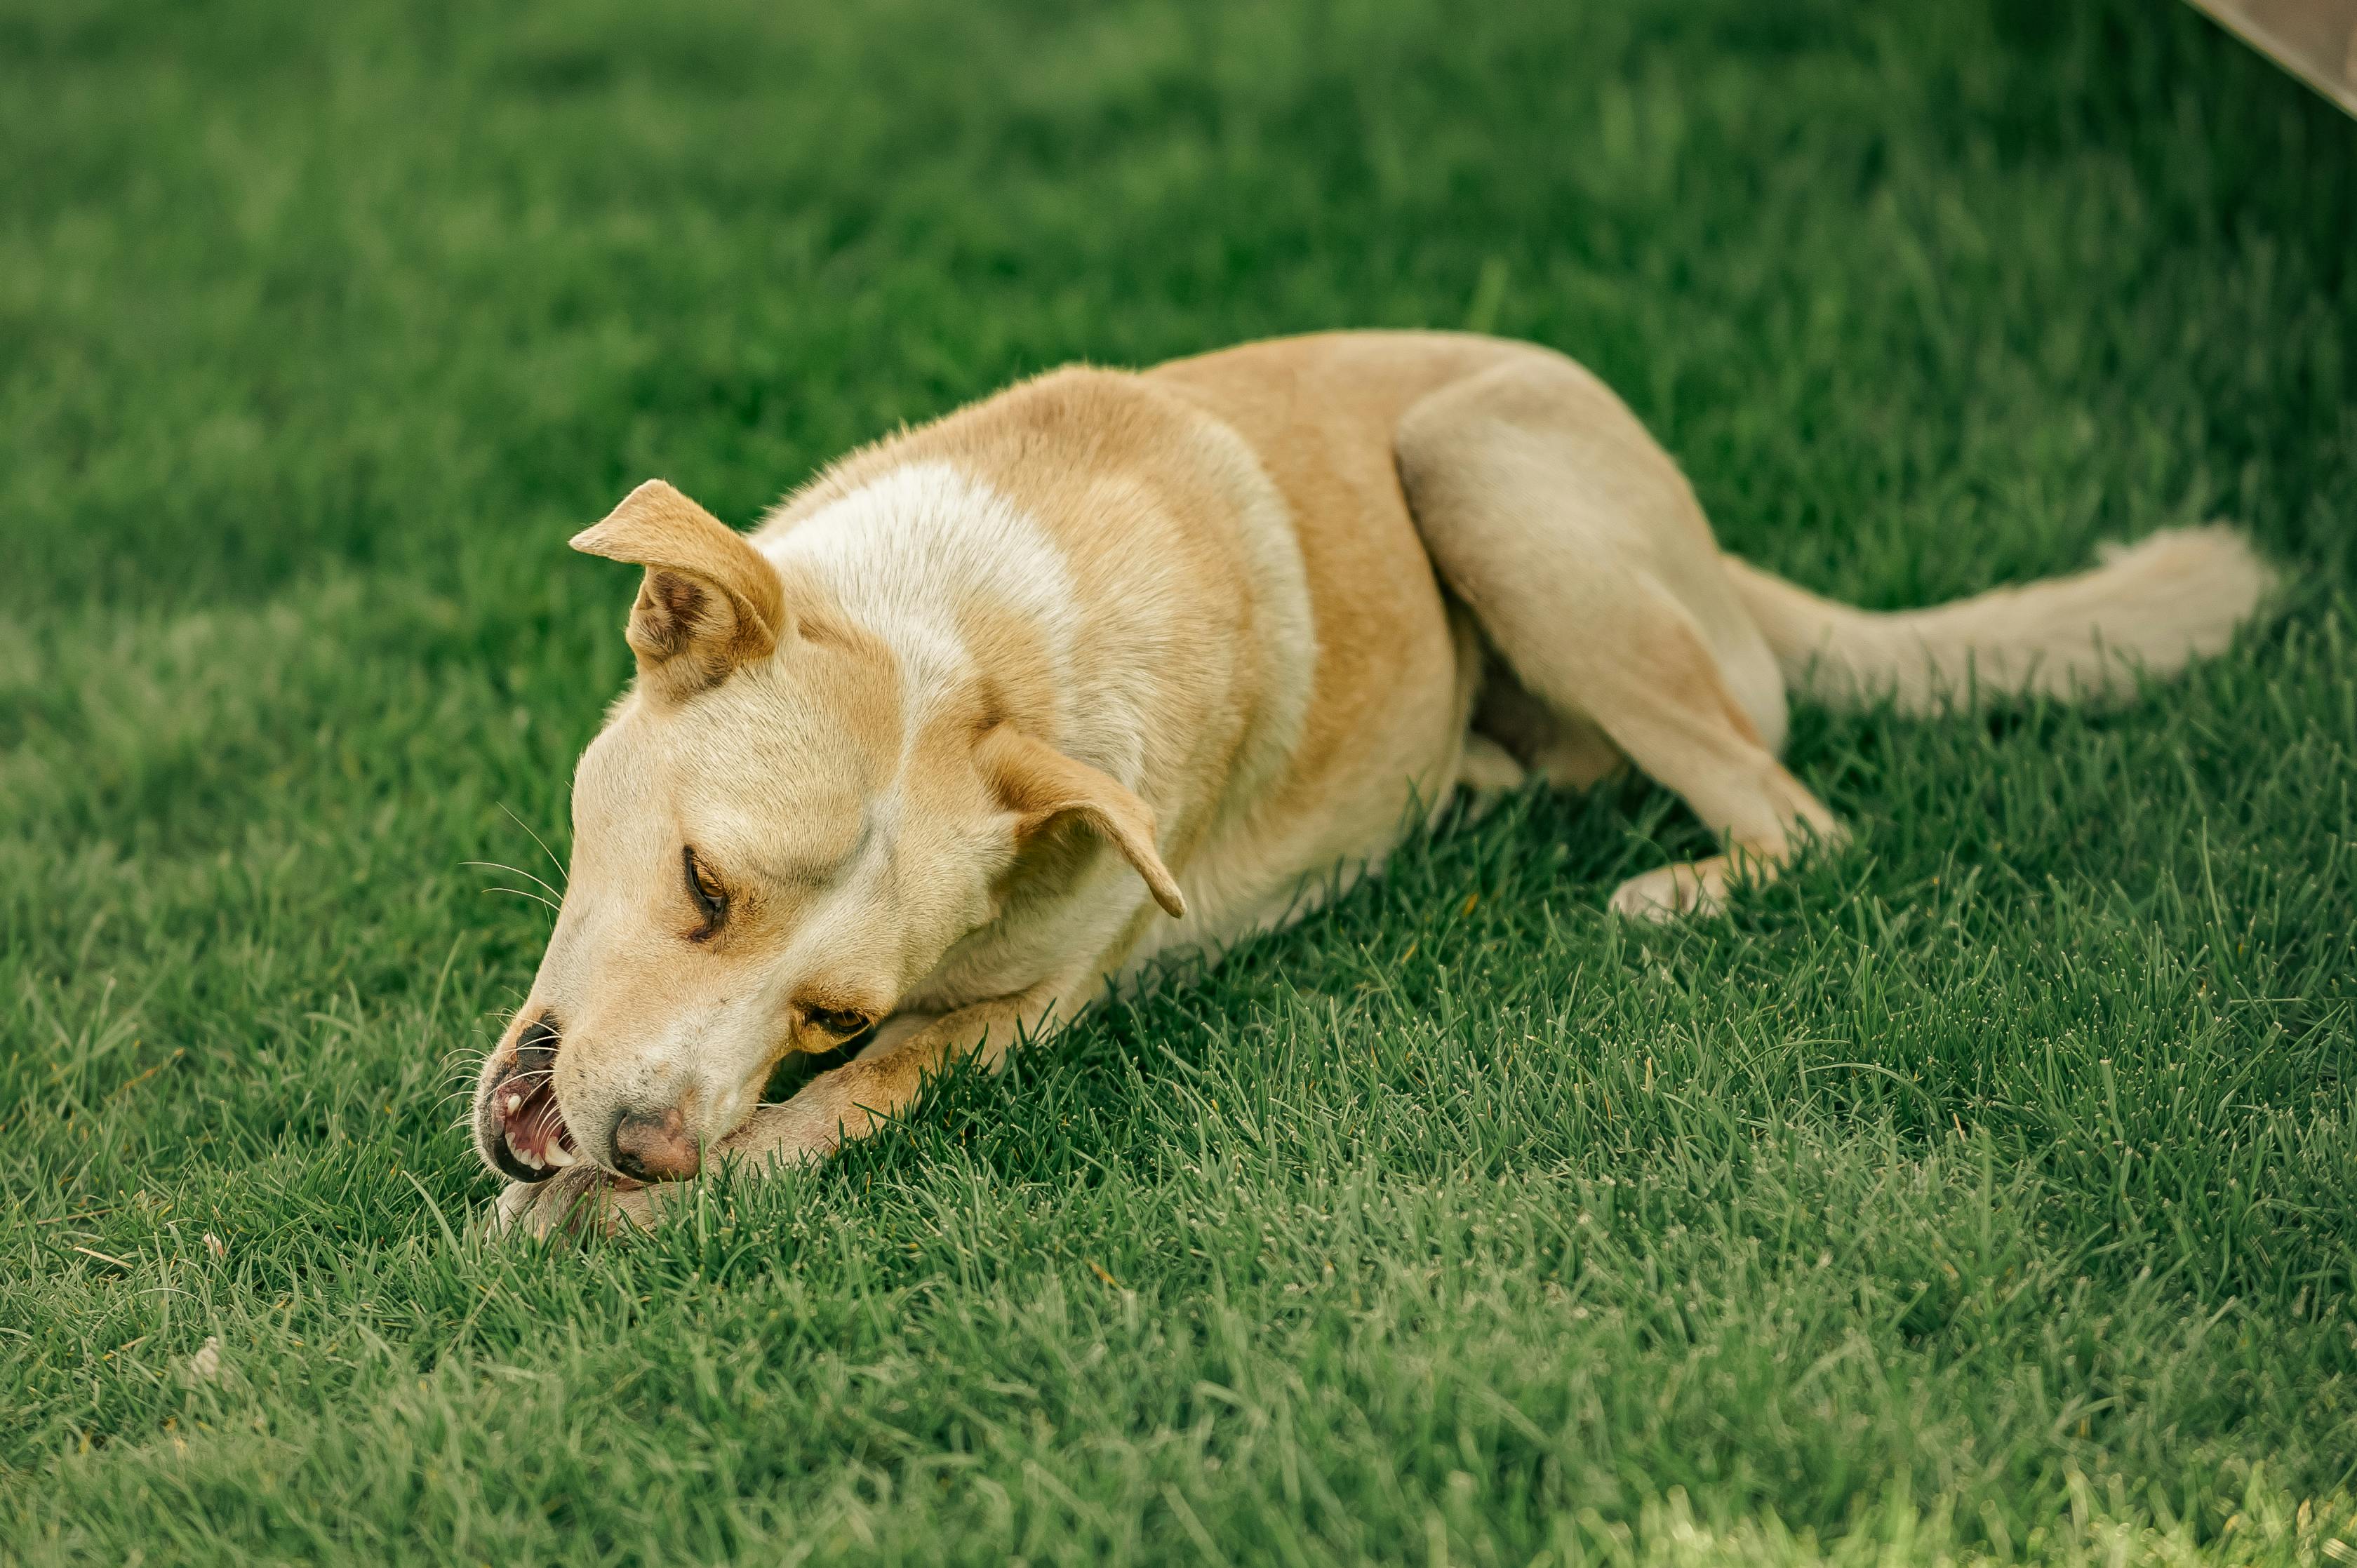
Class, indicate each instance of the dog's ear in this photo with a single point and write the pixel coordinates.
(1041, 786)
(710, 601)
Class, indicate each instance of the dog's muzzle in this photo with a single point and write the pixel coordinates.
(516, 1119)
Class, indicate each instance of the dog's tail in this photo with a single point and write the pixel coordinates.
(2150, 608)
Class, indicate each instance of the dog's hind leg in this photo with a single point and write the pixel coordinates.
(1583, 555)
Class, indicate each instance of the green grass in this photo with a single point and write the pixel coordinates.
(1985, 1190)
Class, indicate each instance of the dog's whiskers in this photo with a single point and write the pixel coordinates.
(522, 893)
(516, 870)
(562, 875)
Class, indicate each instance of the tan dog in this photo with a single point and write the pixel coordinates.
(998, 710)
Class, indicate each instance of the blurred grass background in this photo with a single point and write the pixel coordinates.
(1984, 1190)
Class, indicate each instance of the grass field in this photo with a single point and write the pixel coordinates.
(1986, 1189)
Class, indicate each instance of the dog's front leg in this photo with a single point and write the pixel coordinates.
(852, 1100)
(849, 1101)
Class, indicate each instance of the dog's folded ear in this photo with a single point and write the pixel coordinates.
(1043, 786)
(710, 601)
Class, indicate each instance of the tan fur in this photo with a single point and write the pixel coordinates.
(1196, 638)
(2147, 611)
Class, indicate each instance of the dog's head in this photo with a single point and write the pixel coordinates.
(776, 834)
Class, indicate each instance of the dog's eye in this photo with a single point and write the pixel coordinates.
(837, 1021)
(710, 895)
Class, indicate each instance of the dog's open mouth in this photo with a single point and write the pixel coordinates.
(534, 1129)
(525, 1130)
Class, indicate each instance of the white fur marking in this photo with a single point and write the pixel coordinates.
(904, 551)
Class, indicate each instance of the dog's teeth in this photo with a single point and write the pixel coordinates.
(557, 1158)
(515, 1103)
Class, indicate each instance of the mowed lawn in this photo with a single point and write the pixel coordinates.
(1990, 1187)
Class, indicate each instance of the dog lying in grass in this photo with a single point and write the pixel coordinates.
(996, 709)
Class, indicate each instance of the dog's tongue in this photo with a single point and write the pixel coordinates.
(536, 1129)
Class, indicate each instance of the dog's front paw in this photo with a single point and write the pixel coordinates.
(802, 1131)
(1674, 892)
(582, 1200)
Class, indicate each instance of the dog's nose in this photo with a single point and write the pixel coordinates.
(654, 1145)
